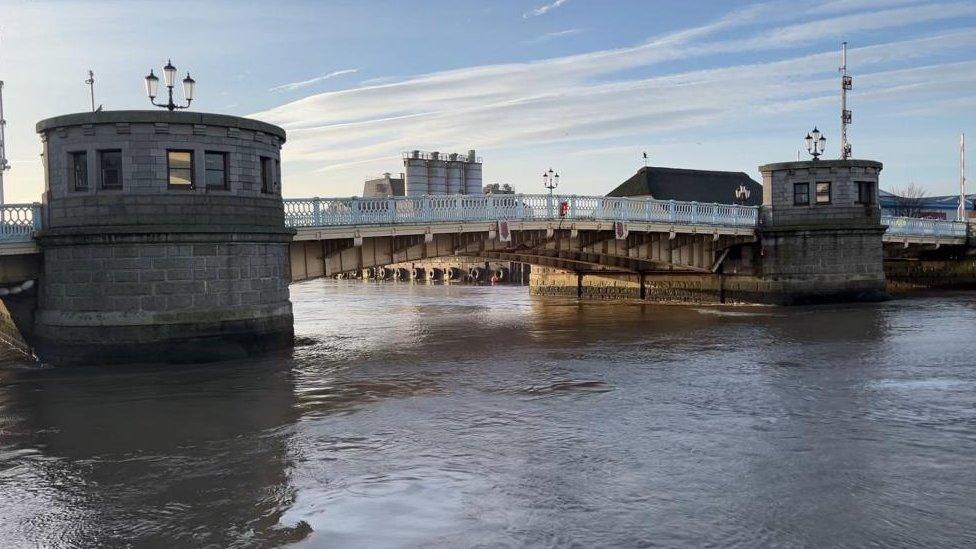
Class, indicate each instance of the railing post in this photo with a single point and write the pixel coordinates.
(520, 206)
(316, 212)
(391, 207)
(572, 207)
(354, 210)
(694, 212)
(490, 208)
(714, 213)
(425, 209)
(549, 206)
(672, 215)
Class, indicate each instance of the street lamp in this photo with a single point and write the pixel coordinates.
(550, 180)
(815, 143)
(169, 74)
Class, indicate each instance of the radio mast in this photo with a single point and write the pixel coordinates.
(961, 212)
(846, 83)
(4, 166)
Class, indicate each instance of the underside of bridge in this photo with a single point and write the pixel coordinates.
(563, 249)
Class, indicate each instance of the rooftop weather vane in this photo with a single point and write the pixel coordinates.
(91, 90)
(169, 74)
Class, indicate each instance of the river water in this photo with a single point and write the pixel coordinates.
(415, 415)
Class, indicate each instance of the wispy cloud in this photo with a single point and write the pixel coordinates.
(587, 99)
(304, 83)
(544, 9)
(552, 35)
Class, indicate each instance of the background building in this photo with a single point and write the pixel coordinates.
(441, 173)
(384, 187)
(499, 188)
(929, 207)
(692, 185)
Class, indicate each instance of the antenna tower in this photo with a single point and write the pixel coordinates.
(846, 83)
(961, 212)
(4, 166)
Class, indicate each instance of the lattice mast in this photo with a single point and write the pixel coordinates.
(846, 83)
(961, 212)
(4, 165)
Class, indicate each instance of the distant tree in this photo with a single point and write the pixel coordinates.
(908, 200)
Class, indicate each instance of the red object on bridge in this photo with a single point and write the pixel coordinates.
(563, 209)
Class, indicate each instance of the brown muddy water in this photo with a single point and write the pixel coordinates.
(456, 416)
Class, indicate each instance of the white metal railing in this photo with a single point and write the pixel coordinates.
(914, 226)
(19, 222)
(327, 212)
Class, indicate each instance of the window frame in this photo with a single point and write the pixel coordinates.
(225, 182)
(869, 186)
(101, 170)
(73, 171)
(816, 193)
(277, 176)
(806, 193)
(169, 170)
(267, 174)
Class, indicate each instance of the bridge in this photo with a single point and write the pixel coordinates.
(186, 252)
(544, 230)
(632, 234)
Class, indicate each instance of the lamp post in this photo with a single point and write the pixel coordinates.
(550, 180)
(815, 143)
(169, 74)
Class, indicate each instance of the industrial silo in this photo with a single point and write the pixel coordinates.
(436, 174)
(472, 174)
(415, 167)
(455, 174)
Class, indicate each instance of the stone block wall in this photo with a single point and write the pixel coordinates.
(904, 275)
(153, 282)
(155, 272)
(821, 252)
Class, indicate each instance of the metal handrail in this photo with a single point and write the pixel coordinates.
(916, 226)
(19, 222)
(331, 212)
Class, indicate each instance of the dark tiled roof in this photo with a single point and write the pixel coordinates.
(690, 185)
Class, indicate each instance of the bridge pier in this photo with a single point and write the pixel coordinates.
(820, 231)
(163, 239)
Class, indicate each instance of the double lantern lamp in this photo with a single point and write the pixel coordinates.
(169, 74)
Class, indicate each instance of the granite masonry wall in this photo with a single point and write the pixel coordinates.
(822, 247)
(151, 271)
(905, 275)
(809, 250)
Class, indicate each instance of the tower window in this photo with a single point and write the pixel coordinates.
(179, 165)
(78, 168)
(110, 169)
(216, 164)
(801, 194)
(865, 192)
(823, 192)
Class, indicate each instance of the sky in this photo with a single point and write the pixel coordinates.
(580, 86)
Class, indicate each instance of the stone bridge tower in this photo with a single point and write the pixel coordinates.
(163, 238)
(820, 232)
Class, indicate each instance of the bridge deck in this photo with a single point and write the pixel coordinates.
(331, 218)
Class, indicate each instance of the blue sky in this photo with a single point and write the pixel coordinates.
(582, 86)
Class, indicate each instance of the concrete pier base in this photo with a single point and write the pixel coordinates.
(694, 288)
